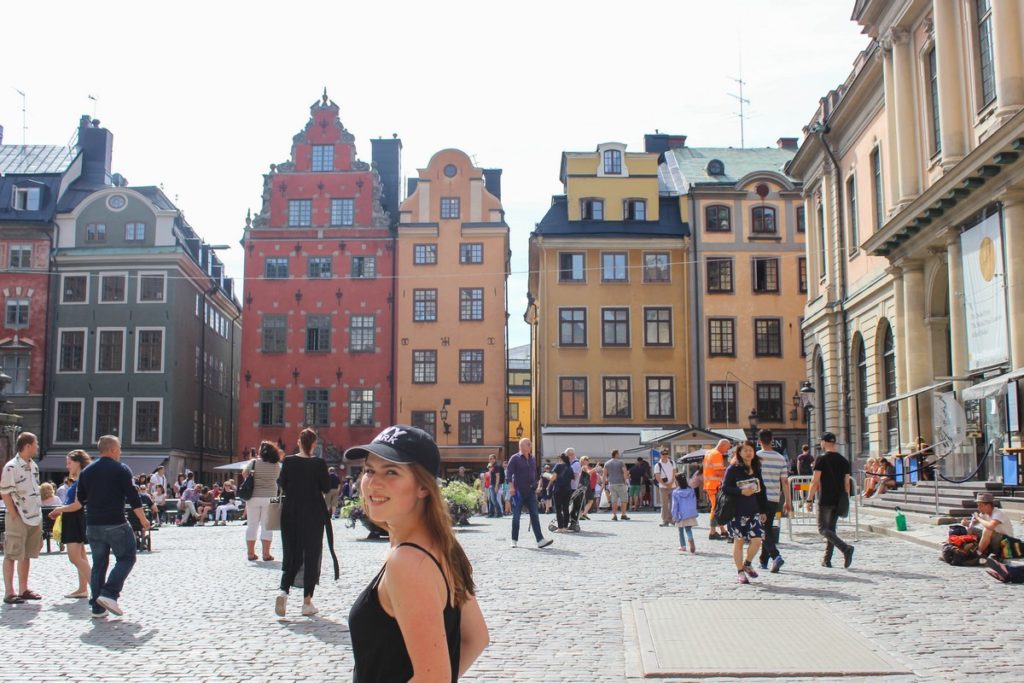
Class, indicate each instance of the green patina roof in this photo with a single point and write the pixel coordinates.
(686, 166)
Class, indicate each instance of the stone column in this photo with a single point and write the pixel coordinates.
(1013, 246)
(889, 154)
(959, 463)
(899, 342)
(948, 52)
(1008, 56)
(906, 117)
(916, 350)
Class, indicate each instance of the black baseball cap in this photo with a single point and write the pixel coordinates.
(404, 445)
(828, 437)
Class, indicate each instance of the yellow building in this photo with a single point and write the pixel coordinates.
(453, 251)
(520, 413)
(609, 308)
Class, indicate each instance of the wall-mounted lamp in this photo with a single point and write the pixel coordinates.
(295, 374)
(248, 377)
(298, 295)
(338, 374)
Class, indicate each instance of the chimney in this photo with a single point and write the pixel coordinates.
(659, 143)
(387, 158)
(492, 181)
(97, 145)
(787, 143)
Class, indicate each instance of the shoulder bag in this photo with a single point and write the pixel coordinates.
(249, 484)
(725, 508)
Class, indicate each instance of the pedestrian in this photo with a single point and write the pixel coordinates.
(714, 473)
(72, 523)
(774, 470)
(103, 488)
(577, 468)
(636, 482)
(522, 486)
(665, 477)
(159, 478)
(587, 478)
(684, 512)
(544, 490)
(266, 468)
(412, 622)
(645, 483)
(332, 494)
(744, 482)
(561, 489)
(614, 483)
(23, 537)
(303, 482)
(596, 477)
(832, 483)
(497, 478)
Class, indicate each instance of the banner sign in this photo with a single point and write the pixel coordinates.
(949, 422)
(984, 294)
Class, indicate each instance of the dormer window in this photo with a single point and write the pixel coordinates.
(592, 209)
(612, 162)
(96, 232)
(323, 158)
(635, 209)
(715, 168)
(26, 198)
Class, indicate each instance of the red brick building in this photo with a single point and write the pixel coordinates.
(317, 321)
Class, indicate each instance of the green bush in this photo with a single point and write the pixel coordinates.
(460, 493)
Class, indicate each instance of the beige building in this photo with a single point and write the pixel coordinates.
(913, 193)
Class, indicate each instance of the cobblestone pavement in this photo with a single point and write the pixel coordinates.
(197, 610)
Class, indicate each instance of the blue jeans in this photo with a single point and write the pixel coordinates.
(493, 503)
(685, 534)
(103, 540)
(528, 499)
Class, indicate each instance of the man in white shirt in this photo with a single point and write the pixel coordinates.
(159, 478)
(19, 487)
(992, 524)
(665, 476)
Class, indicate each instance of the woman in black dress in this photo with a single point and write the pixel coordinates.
(72, 533)
(304, 518)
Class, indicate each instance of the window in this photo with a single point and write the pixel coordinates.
(149, 356)
(323, 158)
(572, 326)
(471, 253)
(424, 254)
(364, 267)
(892, 418)
(658, 326)
(343, 212)
(74, 289)
(572, 267)
(716, 219)
(513, 412)
(660, 400)
(274, 334)
(147, 421)
(723, 402)
(763, 220)
(424, 305)
(721, 337)
(69, 422)
(769, 402)
(986, 62)
(851, 214)
(26, 198)
(471, 304)
(617, 401)
(613, 162)
(572, 397)
(425, 420)
(300, 212)
(112, 289)
(877, 192)
(614, 268)
(318, 267)
(822, 251)
(592, 209)
(134, 232)
(801, 273)
(471, 367)
(271, 407)
(862, 396)
(21, 256)
(363, 333)
(318, 333)
(801, 219)
(316, 408)
(719, 275)
(107, 419)
(766, 275)
(151, 287)
(275, 267)
(615, 327)
(424, 366)
(634, 209)
(656, 268)
(96, 232)
(16, 365)
(17, 313)
(450, 207)
(933, 101)
(767, 337)
(72, 351)
(360, 406)
(471, 427)
(110, 351)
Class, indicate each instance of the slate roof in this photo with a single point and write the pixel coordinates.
(669, 224)
(35, 159)
(686, 166)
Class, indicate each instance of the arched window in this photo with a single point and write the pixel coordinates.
(613, 162)
(716, 219)
(892, 418)
(862, 395)
(763, 220)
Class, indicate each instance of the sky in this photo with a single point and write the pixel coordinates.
(203, 96)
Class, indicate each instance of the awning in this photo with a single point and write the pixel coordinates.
(991, 387)
(143, 464)
(233, 466)
(883, 406)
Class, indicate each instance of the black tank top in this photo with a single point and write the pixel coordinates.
(377, 644)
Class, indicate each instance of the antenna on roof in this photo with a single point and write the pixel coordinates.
(95, 102)
(742, 116)
(24, 118)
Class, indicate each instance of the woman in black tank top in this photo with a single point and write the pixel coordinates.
(419, 615)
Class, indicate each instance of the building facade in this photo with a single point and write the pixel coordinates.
(609, 306)
(520, 407)
(318, 304)
(453, 264)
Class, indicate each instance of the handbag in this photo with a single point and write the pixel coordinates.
(249, 485)
(725, 508)
(272, 518)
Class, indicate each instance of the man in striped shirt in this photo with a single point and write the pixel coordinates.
(774, 469)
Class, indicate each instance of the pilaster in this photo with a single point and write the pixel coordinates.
(1008, 56)
(948, 51)
(1013, 246)
(906, 130)
(915, 350)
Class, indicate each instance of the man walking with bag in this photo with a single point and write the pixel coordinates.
(832, 479)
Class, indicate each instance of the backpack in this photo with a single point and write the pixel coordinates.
(965, 555)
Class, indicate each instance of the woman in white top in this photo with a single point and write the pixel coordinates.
(266, 469)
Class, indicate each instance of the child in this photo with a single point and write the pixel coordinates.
(684, 511)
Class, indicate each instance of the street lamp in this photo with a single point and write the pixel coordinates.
(752, 419)
(519, 431)
(444, 416)
(807, 393)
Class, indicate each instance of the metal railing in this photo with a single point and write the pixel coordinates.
(802, 516)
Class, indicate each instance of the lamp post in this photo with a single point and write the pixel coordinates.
(752, 419)
(519, 431)
(444, 418)
(807, 393)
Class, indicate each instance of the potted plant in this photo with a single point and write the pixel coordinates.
(463, 501)
(353, 512)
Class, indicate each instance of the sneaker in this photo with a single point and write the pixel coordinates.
(99, 615)
(515, 544)
(615, 519)
(280, 603)
(544, 543)
(110, 604)
(848, 557)
(625, 517)
(309, 610)
(714, 536)
(777, 564)
(741, 577)
(749, 571)
(826, 562)
(763, 566)
(682, 549)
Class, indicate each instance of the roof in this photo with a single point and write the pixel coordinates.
(686, 166)
(35, 159)
(519, 352)
(49, 186)
(669, 224)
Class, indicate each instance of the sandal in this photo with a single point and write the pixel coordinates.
(268, 558)
(13, 599)
(31, 595)
(77, 595)
(252, 558)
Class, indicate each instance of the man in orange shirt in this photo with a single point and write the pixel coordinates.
(714, 474)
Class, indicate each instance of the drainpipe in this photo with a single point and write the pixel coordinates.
(232, 441)
(52, 293)
(202, 382)
(394, 324)
(697, 302)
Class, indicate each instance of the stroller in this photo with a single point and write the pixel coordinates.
(576, 502)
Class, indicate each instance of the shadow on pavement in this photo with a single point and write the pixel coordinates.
(806, 592)
(116, 634)
(19, 616)
(896, 574)
(324, 630)
(844, 576)
(79, 609)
